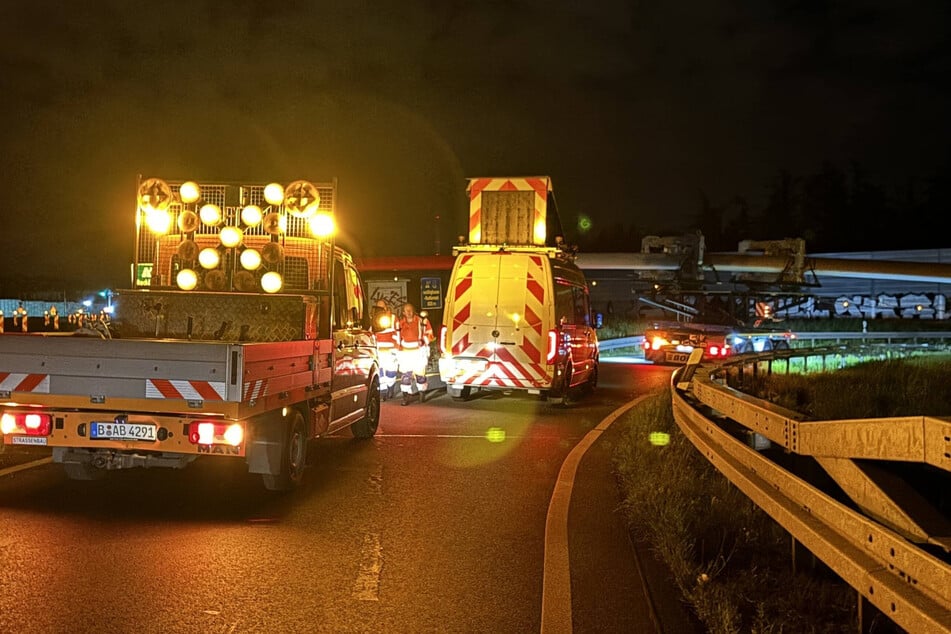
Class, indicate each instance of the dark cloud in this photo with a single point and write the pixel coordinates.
(633, 108)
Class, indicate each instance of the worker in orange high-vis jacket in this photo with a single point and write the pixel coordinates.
(384, 327)
(413, 334)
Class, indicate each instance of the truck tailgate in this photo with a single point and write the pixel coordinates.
(70, 371)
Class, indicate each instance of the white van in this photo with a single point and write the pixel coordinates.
(517, 318)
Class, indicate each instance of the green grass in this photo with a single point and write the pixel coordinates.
(854, 324)
(729, 559)
(915, 386)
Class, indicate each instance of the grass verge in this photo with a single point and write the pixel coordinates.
(914, 386)
(730, 560)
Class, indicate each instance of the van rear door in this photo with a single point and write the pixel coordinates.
(524, 286)
(499, 314)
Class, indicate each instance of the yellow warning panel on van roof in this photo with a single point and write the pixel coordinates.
(509, 210)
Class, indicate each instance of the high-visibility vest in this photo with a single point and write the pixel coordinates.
(386, 338)
(413, 333)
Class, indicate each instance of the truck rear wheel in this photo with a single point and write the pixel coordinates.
(293, 458)
(366, 427)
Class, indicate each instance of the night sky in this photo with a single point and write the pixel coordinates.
(634, 110)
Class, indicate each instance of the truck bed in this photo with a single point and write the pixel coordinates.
(229, 379)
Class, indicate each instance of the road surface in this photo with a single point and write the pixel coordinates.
(436, 525)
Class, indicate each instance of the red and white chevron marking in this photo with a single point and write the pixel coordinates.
(520, 367)
(506, 371)
(187, 390)
(254, 390)
(476, 187)
(22, 382)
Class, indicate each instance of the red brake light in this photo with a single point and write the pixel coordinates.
(442, 339)
(203, 432)
(29, 423)
(552, 346)
(713, 350)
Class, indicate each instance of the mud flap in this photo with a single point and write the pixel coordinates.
(266, 449)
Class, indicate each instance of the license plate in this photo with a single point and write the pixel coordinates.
(122, 431)
(466, 366)
(677, 357)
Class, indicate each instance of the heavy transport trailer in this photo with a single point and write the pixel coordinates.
(243, 361)
(672, 342)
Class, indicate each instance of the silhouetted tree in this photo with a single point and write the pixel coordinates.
(783, 214)
(710, 221)
(868, 212)
(825, 209)
(742, 224)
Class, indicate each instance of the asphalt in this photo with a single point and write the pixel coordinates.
(617, 583)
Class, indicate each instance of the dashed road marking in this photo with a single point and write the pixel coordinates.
(375, 481)
(367, 585)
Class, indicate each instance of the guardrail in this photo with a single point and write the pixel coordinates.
(621, 342)
(873, 337)
(875, 556)
(888, 337)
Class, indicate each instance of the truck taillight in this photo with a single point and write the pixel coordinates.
(442, 339)
(31, 424)
(552, 346)
(658, 342)
(215, 433)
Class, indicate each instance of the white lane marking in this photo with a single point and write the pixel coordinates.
(556, 579)
(437, 436)
(472, 436)
(25, 466)
(367, 585)
(375, 481)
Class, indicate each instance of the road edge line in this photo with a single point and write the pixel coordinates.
(556, 576)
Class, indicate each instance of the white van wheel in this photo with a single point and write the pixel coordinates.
(460, 394)
(565, 387)
(592, 381)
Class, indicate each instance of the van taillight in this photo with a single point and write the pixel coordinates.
(552, 346)
(442, 339)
